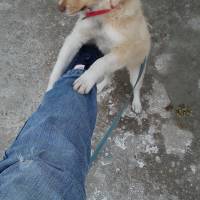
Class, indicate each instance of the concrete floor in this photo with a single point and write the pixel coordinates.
(154, 155)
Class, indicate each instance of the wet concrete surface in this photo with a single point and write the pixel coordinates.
(154, 155)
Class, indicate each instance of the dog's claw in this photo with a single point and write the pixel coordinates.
(84, 83)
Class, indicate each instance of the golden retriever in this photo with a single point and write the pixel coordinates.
(121, 33)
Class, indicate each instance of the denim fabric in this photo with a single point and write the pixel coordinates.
(50, 157)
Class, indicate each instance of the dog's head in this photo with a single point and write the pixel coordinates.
(75, 6)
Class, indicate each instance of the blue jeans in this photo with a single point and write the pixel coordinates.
(50, 157)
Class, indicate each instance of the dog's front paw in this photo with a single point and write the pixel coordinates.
(84, 83)
(50, 86)
(136, 106)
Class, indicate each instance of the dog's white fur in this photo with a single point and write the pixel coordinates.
(121, 35)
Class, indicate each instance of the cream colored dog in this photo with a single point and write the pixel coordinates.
(120, 32)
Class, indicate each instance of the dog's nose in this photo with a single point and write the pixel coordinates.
(61, 7)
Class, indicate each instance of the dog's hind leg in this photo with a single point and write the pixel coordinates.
(106, 81)
(134, 73)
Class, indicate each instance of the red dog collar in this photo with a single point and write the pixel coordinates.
(99, 12)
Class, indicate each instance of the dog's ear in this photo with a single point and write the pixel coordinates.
(62, 4)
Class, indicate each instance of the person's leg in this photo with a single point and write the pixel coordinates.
(50, 157)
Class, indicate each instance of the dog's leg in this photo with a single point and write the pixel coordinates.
(103, 84)
(134, 73)
(102, 67)
(71, 46)
(115, 60)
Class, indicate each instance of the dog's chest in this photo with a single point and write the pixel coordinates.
(107, 37)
